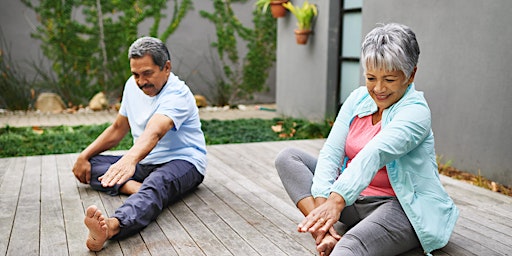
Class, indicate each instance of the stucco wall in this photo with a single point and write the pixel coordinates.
(190, 44)
(465, 71)
(305, 81)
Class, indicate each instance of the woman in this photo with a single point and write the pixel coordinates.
(377, 171)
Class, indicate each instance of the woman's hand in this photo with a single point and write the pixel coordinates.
(321, 220)
(325, 247)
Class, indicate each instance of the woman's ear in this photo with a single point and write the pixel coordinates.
(411, 77)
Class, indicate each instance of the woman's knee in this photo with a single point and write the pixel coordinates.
(286, 157)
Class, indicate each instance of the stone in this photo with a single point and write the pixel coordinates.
(98, 102)
(200, 101)
(50, 102)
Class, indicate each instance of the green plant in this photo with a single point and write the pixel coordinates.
(304, 14)
(241, 76)
(263, 5)
(89, 55)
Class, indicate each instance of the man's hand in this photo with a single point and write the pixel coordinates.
(82, 170)
(118, 173)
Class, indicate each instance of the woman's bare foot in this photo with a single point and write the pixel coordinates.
(98, 229)
(325, 247)
(130, 187)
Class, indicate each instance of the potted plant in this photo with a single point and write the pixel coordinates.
(276, 7)
(304, 15)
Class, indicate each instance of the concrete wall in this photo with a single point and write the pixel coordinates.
(192, 57)
(465, 71)
(306, 79)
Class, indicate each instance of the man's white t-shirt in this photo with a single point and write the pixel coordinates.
(185, 140)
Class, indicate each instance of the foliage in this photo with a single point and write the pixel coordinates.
(241, 77)
(13, 83)
(304, 14)
(28, 141)
(263, 5)
(89, 55)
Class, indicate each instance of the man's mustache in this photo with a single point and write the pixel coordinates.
(146, 85)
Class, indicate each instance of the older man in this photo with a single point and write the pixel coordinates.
(168, 156)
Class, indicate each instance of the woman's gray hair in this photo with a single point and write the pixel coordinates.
(152, 46)
(390, 47)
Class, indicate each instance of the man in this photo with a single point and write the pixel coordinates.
(167, 159)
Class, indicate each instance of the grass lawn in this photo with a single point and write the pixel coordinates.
(28, 141)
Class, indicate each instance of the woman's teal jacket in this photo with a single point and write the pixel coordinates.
(405, 145)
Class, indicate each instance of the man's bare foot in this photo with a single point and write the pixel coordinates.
(98, 229)
(130, 187)
(325, 247)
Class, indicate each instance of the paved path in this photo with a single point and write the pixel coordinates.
(32, 118)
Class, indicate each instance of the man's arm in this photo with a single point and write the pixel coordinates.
(108, 139)
(124, 169)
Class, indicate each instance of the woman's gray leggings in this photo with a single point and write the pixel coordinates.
(377, 225)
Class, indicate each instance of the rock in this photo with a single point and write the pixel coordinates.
(200, 101)
(98, 102)
(50, 102)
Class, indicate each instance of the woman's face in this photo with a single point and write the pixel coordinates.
(387, 87)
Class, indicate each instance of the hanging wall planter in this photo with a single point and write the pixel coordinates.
(276, 7)
(302, 35)
(304, 15)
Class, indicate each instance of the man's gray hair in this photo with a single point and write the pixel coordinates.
(390, 47)
(152, 46)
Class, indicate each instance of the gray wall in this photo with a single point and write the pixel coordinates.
(306, 74)
(465, 71)
(192, 57)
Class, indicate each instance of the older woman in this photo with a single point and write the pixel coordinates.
(377, 171)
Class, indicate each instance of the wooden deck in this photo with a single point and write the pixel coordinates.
(240, 209)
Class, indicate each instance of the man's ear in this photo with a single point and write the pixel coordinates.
(167, 67)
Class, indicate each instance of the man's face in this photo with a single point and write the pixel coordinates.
(148, 75)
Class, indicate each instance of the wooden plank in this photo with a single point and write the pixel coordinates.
(492, 238)
(279, 211)
(249, 167)
(254, 208)
(9, 194)
(500, 205)
(221, 204)
(208, 243)
(488, 244)
(180, 239)
(218, 226)
(156, 241)
(53, 237)
(453, 249)
(72, 208)
(25, 232)
(5, 163)
(469, 245)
